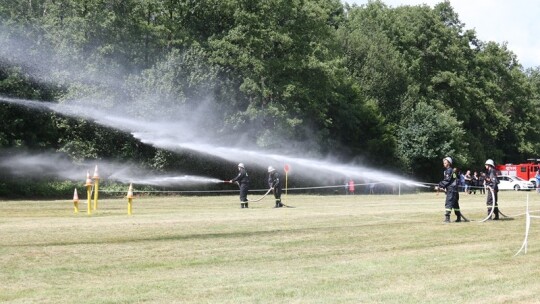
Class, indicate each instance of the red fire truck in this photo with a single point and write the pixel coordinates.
(527, 171)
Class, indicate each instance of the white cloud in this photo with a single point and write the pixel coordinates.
(515, 22)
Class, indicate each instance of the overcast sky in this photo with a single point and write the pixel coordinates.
(514, 21)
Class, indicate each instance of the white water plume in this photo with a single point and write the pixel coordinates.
(188, 135)
(57, 165)
(176, 180)
(41, 166)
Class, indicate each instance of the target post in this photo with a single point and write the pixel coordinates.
(130, 199)
(88, 185)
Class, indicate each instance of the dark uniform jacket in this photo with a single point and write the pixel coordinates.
(450, 181)
(273, 180)
(491, 179)
(242, 177)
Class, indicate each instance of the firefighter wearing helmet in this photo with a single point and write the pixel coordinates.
(492, 182)
(450, 185)
(242, 179)
(275, 184)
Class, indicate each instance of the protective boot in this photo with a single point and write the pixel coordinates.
(496, 212)
(447, 217)
(242, 205)
(278, 203)
(246, 204)
(458, 214)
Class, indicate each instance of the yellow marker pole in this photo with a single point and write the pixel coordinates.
(88, 185)
(286, 169)
(75, 201)
(130, 199)
(286, 181)
(88, 194)
(96, 187)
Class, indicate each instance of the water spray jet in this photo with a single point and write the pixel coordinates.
(165, 136)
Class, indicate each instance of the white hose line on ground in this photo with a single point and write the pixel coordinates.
(524, 245)
(492, 206)
(527, 226)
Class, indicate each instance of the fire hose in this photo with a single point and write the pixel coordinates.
(267, 192)
(253, 201)
(492, 206)
(259, 199)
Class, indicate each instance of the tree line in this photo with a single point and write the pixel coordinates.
(396, 87)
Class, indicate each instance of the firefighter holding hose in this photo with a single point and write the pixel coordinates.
(242, 179)
(450, 185)
(275, 184)
(492, 185)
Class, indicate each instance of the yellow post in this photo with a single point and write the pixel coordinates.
(88, 185)
(96, 187)
(286, 181)
(130, 198)
(88, 194)
(75, 201)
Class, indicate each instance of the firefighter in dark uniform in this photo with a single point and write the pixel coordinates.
(275, 184)
(450, 185)
(492, 182)
(242, 180)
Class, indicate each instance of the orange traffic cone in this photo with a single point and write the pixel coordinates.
(130, 191)
(75, 201)
(75, 196)
(88, 179)
(96, 174)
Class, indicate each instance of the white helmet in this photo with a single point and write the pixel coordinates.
(271, 169)
(490, 162)
(241, 165)
(449, 159)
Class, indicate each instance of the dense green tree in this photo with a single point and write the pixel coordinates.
(288, 62)
(506, 109)
(19, 126)
(373, 60)
(427, 134)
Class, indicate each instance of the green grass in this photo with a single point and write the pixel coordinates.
(329, 249)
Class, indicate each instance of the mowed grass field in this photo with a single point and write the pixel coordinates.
(328, 249)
